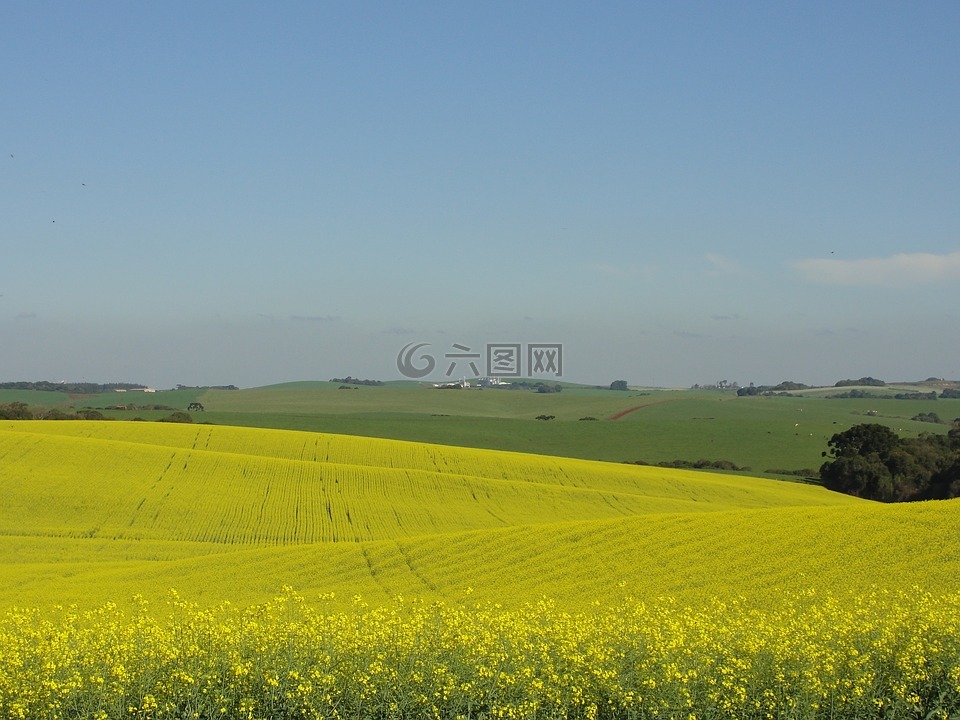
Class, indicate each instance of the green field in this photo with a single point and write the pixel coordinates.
(762, 433)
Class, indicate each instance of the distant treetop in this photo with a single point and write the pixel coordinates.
(870, 381)
(206, 387)
(350, 380)
(785, 386)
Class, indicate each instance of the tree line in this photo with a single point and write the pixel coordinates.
(21, 411)
(784, 387)
(78, 388)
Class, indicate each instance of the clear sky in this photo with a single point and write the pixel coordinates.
(679, 193)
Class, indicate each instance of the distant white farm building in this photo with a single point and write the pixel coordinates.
(491, 382)
(461, 383)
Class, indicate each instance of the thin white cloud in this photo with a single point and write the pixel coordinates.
(721, 265)
(894, 271)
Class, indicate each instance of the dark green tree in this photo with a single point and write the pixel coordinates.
(871, 461)
(619, 385)
(15, 411)
(857, 475)
(864, 439)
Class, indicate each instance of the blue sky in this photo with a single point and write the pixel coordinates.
(679, 193)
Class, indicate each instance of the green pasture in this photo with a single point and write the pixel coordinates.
(71, 401)
(763, 432)
(327, 398)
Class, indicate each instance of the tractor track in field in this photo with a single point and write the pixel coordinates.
(620, 414)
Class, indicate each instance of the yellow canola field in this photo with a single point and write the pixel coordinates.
(99, 511)
(326, 448)
(94, 485)
(536, 587)
(757, 554)
(813, 655)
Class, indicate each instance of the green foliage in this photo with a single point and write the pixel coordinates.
(701, 464)
(542, 387)
(864, 439)
(866, 394)
(350, 380)
(871, 461)
(856, 394)
(783, 387)
(868, 381)
(619, 385)
(57, 414)
(15, 411)
(21, 411)
(178, 417)
(804, 472)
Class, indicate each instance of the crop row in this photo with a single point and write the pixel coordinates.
(490, 464)
(687, 555)
(119, 488)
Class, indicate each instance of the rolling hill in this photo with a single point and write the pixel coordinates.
(98, 511)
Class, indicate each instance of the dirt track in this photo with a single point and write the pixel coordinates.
(620, 414)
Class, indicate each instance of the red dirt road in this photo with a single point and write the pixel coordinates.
(620, 414)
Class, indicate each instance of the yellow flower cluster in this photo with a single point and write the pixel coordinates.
(809, 655)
